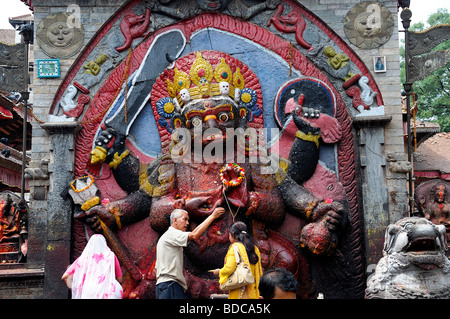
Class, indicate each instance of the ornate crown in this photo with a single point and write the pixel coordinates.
(201, 75)
(198, 79)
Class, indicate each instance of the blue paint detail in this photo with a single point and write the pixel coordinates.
(145, 132)
(165, 124)
(160, 104)
(327, 156)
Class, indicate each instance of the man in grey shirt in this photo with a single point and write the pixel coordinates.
(171, 283)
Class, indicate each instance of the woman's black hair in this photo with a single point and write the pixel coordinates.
(239, 231)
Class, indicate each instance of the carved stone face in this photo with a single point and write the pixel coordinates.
(217, 112)
(60, 34)
(212, 5)
(440, 194)
(417, 241)
(204, 125)
(368, 25)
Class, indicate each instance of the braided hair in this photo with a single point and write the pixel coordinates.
(239, 231)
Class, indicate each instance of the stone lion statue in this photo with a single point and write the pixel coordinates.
(414, 265)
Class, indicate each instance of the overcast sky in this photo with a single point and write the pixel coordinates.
(11, 8)
(422, 9)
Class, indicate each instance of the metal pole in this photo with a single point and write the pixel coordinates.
(25, 96)
(26, 33)
(406, 16)
(408, 129)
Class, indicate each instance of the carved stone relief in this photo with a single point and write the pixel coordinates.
(368, 25)
(121, 69)
(414, 265)
(60, 35)
(13, 66)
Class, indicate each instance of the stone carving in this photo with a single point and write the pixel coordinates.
(414, 265)
(363, 96)
(60, 35)
(367, 94)
(104, 123)
(368, 25)
(338, 66)
(338, 62)
(293, 22)
(38, 173)
(93, 67)
(432, 201)
(71, 109)
(84, 192)
(133, 26)
(13, 228)
(185, 9)
(13, 67)
(397, 164)
(178, 178)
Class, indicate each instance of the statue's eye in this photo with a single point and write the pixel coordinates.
(223, 117)
(196, 121)
(409, 227)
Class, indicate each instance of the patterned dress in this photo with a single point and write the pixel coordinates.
(95, 272)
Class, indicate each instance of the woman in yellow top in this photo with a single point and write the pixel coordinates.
(250, 254)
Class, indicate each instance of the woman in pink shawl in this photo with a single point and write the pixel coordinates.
(95, 272)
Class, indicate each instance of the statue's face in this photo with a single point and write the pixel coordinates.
(212, 117)
(440, 194)
(214, 129)
(212, 5)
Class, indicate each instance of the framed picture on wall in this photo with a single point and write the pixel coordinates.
(48, 68)
(379, 63)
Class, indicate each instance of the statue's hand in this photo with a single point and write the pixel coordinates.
(330, 212)
(107, 144)
(319, 236)
(201, 206)
(96, 214)
(152, 5)
(304, 118)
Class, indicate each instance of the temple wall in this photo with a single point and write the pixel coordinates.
(379, 143)
(52, 149)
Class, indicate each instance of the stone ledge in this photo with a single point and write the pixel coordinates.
(61, 127)
(372, 121)
(9, 271)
